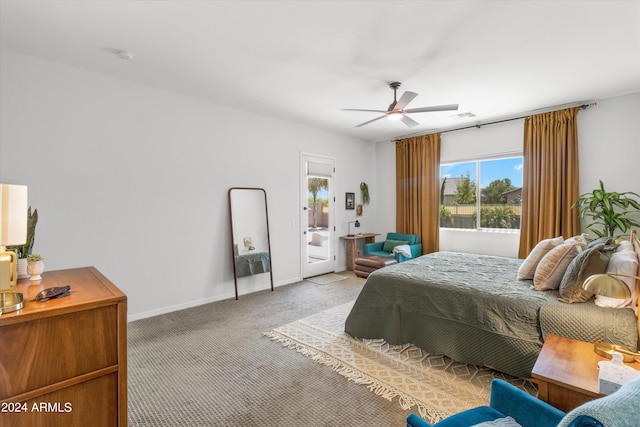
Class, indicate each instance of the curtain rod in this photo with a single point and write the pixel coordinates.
(479, 125)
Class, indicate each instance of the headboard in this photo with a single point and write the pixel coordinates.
(636, 247)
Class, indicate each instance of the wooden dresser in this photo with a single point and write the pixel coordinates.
(64, 362)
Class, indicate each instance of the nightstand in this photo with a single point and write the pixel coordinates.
(567, 372)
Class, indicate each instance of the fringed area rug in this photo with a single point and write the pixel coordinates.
(432, 385)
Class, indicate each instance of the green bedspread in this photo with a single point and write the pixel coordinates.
(474, 310)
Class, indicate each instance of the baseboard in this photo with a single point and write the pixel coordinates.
(196, 303)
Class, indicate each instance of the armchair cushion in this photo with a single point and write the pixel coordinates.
(411, 238)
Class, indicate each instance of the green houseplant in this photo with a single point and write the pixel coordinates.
(608, 211)
(23, 251)
(365, 193)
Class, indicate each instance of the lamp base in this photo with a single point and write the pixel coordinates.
(11, 301)
(606, 349)
(8, 268)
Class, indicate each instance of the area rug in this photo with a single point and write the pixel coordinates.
(432, 385)
(325, 279)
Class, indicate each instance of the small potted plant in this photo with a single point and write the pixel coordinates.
(35, 266)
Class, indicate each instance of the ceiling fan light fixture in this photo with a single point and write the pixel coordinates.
(395, 115)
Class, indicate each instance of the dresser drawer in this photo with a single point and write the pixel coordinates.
(91, 403)
(48, 350)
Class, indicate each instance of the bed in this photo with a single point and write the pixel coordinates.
(473, 309)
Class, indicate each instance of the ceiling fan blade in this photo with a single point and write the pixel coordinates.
(449, 107)
(405, 99)
(409, 121)
(366, 123)
(368, 111)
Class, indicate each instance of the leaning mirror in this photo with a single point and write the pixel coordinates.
(251, 247)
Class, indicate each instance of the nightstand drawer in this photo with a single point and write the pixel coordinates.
(49, 350)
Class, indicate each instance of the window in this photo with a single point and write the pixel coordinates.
(498, 197)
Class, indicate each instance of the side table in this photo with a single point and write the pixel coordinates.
(352, 246)
(567, 372)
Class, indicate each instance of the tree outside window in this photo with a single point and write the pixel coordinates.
(497, 197)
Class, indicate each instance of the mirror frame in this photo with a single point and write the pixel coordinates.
(233, 255)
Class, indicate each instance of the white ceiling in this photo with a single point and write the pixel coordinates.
(306, 60)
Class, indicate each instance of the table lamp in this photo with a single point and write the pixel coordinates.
(356, 224)
(13, 231)
(609, 285)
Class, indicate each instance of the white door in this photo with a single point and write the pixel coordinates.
(317, 220)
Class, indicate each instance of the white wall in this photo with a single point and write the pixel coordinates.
(133, 180)
(609, 149)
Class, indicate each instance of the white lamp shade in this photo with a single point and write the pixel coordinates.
(13, 214)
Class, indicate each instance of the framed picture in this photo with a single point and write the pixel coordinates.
(350, 201)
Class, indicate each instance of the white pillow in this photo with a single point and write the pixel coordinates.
(528, 267)
(622, 261)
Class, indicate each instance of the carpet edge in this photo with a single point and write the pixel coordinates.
(352, 374)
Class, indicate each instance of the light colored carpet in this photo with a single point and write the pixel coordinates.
(433, 385)
(325, 279)
(210, 366)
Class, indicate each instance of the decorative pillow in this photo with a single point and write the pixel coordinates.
(580, 239)
(528, 267)
(607, 241)
(586, 263)
(499, 422)
(622, 261)
(553, 265)
(390, 244)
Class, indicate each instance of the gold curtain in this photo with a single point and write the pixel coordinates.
(418, 189)
(550, 178)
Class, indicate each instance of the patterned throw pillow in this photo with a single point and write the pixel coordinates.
(553, 265)
(528, 267)
(586, 263)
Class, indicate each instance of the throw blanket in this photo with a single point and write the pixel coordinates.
(404, 250)
(620, 409)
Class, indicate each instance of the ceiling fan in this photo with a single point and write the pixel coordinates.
(397, 111)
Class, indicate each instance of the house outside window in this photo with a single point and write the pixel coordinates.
(481, 194)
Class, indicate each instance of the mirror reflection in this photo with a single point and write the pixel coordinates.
(250, 238)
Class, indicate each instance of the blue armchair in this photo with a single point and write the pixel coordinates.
(619, 409)
(506, 400)
(385, 248)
